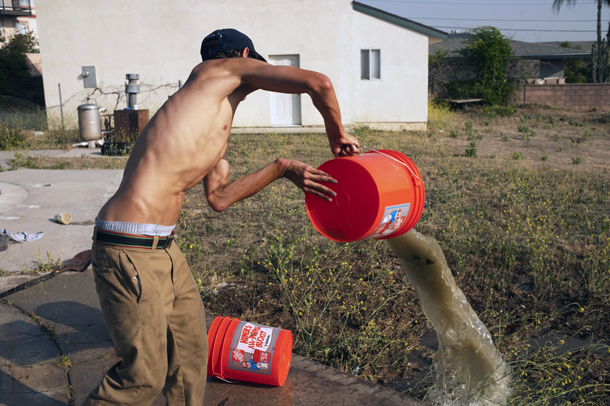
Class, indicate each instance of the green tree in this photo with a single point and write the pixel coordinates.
(485, 62)
(601, 46)
(576, 69)
(439, 70)
(15, 71)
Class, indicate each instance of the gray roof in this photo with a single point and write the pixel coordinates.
(452, 44)
(582, 45)
(400, 21)
(525, 50)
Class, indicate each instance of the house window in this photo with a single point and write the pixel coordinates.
(24, 3)
(21, 28)
(370, 64)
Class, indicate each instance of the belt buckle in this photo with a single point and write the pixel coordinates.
(168, 241)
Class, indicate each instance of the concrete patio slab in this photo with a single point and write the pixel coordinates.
(47, 193)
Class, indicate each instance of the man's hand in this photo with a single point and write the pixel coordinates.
(306, 178)
(345, 145)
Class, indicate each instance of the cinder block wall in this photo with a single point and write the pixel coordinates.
(581, 96)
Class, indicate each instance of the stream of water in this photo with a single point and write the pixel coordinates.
(469, 369)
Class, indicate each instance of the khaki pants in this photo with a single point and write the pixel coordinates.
(155, 317)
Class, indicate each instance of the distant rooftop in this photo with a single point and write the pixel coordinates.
(525, 50)
(583, 45)
(434, 34)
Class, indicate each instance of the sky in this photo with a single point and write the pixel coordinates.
(521, 20)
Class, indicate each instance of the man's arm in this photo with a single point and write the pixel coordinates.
(221, 193)
(288, 79)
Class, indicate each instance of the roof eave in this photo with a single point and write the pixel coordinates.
(400, 21)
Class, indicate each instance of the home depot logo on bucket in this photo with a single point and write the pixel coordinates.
(248, 352)
(380, 194)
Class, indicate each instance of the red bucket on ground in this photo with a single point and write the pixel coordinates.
(244, 351)
(380, 194)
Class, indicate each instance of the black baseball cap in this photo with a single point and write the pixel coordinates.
(229, 38)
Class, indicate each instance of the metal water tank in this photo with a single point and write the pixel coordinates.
(89, 123)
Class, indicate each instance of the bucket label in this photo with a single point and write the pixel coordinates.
(393, 218)
(252, 348)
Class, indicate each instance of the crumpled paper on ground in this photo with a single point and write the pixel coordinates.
(22, 237)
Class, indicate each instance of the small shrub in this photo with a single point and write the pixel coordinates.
(11, 138)
(585, 135)
(604, 118)
(488, 111)
(554, 121)
(475, 136)
(575, 123)
(517, 155)
(454, 133)
(576, 161)
(544, 157)
(472, 151)
(23, 161)
(523, 128)
(557, 137)
(439, 114)
(11, 132)
(61, 165)
(493, 111)
(486, 122)
(468, 127)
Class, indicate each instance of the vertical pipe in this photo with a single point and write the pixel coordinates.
(132, 102)
(61, 107)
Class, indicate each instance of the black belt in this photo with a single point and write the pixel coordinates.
(132, 240)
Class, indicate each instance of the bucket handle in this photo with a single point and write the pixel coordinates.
(402, 163)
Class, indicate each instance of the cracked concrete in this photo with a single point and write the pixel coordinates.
(49, 192)
(30, 369)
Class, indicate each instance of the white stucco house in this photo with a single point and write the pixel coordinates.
(378, 62)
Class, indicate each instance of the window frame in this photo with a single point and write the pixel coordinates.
(370, 64)
(27, 27)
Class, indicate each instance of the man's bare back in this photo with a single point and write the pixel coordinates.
(186, 140)
(150, 301)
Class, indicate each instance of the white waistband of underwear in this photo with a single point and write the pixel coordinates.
(135, 228)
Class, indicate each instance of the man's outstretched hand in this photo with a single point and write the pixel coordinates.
(345, 145)
(307, 178)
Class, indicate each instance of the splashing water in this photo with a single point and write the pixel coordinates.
(469, 368)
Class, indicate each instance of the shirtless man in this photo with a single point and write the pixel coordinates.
(149, 299)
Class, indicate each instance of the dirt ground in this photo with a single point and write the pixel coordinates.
(560, 143)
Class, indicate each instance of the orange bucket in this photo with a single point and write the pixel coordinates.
(380, 194)
(244, 351)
